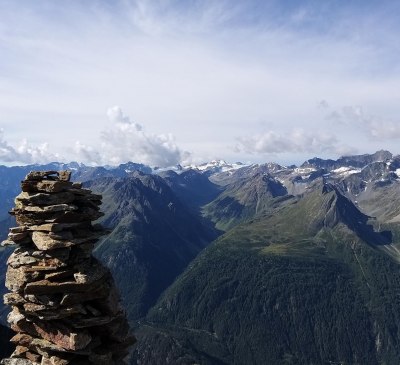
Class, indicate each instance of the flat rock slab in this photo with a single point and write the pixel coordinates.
(58, 227)
(17, 278)
(16, 361)
(49, 208)
(44, 199)
(46, 242)
(48, 287)
(45, 186)
(56, 333)
(13, 299)
(21, 258)
(40, 175)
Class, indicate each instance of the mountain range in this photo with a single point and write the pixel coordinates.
(250, 264)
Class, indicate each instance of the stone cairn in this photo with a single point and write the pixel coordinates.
(65, 308)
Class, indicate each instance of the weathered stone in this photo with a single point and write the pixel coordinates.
(35, 358)
(22, 338)
(7, 243)
(17, 361)
(21, 258)
(50, 208)
(17, 278)
(63, 235)
(18, 229)
(39, 268)
(40, 175)
(53, 186)
(46, 242)
(56, 333)
(28, 186)
(57, 312)
(55, 360)
(26, 198)
(20, 350)
(49, 301)
(81, 253)
(64, 175)
(81, 191)
(65, 307)
(13, 299)
(46, 186)
(32, 307)
(39, 218)
(73, 298)
(59, 275)
(42, 347)
(16, 237)
(48, 287)
(15, 316)
(58, 257)
(89, 274)
(57, 227)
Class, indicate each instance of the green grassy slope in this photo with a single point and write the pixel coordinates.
(300, 286)
(244, 199)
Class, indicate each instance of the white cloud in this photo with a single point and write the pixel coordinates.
(86, 154)
(125, 140)
(374, 127)
(206, 71)
(122, 141)
(294, 141)
(24, 152)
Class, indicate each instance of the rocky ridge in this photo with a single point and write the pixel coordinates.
(65, 307)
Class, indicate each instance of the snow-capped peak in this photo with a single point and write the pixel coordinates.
(216, 166)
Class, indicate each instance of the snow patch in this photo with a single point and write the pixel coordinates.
(220, 165)
(345, 171)
(304, 170)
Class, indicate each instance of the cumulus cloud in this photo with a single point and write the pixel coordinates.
(294, 141)
(24, 152)
(125, 140)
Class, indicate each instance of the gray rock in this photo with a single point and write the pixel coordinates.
(16, 361)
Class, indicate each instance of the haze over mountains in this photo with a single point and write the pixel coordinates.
(240, 264)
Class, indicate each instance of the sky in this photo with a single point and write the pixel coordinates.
(163, 82)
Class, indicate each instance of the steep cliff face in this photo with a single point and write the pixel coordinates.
(154, 237)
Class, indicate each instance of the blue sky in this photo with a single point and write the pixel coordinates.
(165, 82)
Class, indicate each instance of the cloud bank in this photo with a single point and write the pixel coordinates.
(122, 141)
(374, 127)
(205, 71)
(292, 142)
(24, 153)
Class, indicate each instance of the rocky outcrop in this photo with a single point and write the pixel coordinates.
(65, 308)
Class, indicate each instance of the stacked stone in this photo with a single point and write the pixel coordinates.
(65, 308)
